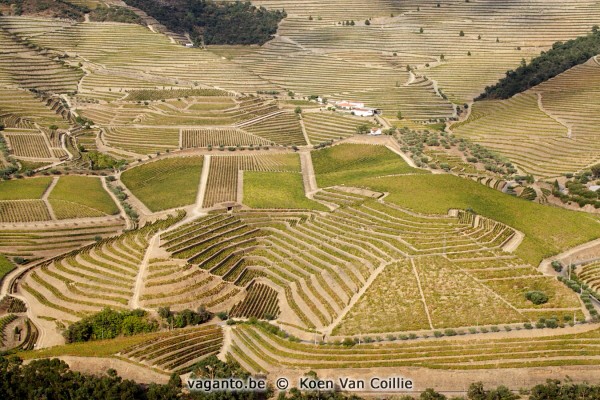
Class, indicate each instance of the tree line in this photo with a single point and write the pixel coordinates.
(209, 22)
(109, 323)
(547, 65)
(53, 379)
(69, 10)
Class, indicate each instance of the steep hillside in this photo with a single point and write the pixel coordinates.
(560, 58)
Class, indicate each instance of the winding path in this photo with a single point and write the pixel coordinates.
(308, 173)
(227, 341)
(128, 223)
(425, 306)
(47, 194)
(554, 117)
(134, 303)
(329, 329)
(203, 184)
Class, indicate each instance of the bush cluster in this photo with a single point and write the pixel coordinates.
(108, 324)
(537, 297)
(186, 317)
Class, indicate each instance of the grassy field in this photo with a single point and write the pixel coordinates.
(24, 189)
(276, 190)
(548, 230)
(395, 292)
(352, 163)
(165, 184)
(514, 290)
(5, 266)
(99, 348)
(86, 191)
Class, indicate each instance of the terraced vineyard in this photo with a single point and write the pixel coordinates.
(539, 144)
(86, 281)
(177, 352)
(171, 283)
(268, 351)
(320, 262)
(149, 94)
(261, 302)
(219, 137)
(590, 274)
(323, 127)
(31, 69)
(142, 140)
(282, 128)
(46, 240)
(4, 321)
(21, 109)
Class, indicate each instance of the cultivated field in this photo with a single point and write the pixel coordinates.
(165, 184)
(350, 163)
(216, 137)
(44, 199)
(67, 200)
(224, 171)
(273, 190)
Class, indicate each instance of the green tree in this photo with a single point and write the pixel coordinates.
(362, 129)
(595, 170)
(430, 394)
(476, 392)
(536, 297)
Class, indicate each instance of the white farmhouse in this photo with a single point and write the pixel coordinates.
(375, 132)
(363, 112)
